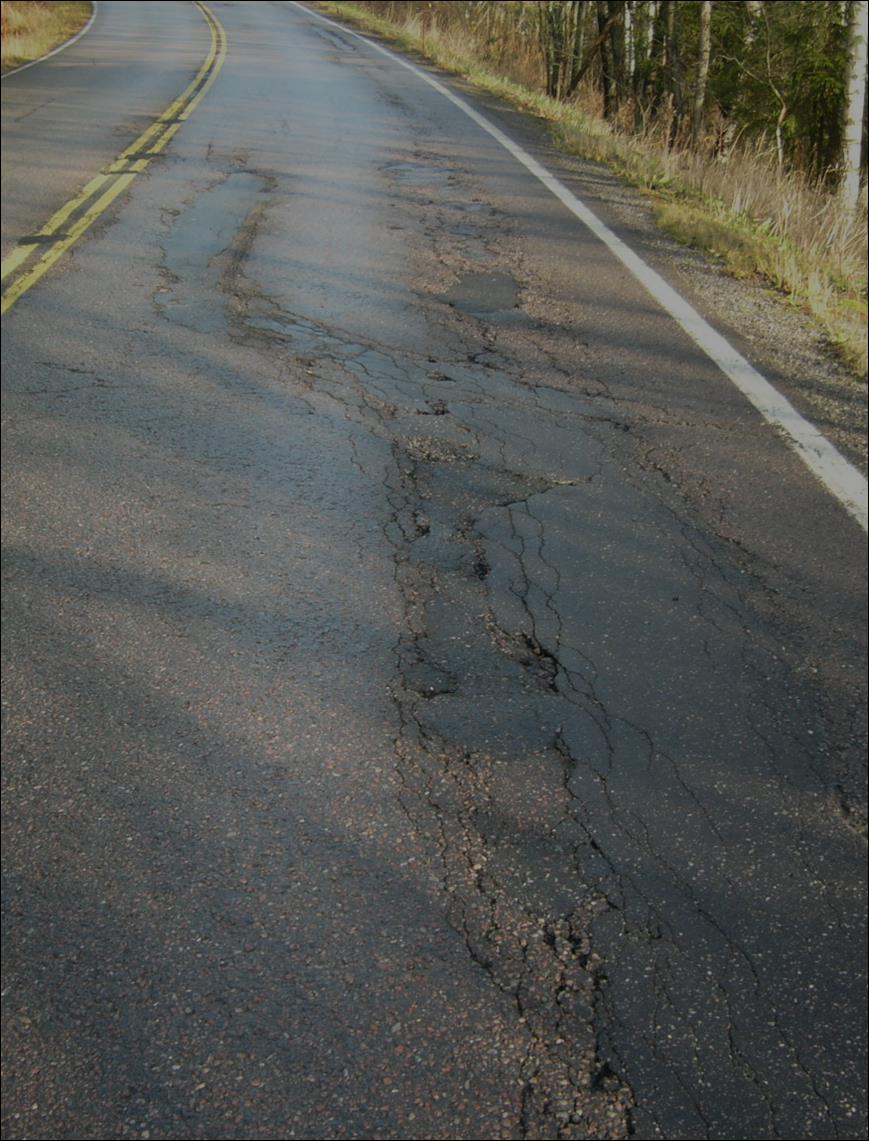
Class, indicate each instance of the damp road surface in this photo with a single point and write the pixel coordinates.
(433, 697)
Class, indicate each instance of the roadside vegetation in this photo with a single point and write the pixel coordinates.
(32, 29)
(744, 122)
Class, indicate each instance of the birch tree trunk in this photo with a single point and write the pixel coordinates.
(851, 151)
(702, 69)
(755, 12)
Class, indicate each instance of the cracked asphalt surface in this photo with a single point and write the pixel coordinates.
(434, 703)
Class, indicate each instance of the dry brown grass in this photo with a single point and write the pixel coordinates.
(30, 30)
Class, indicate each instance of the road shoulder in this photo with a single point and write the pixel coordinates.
(53, 30)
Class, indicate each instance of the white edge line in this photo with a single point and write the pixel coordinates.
(61, 47)
(841, 478)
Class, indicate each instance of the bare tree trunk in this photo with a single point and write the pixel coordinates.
(548, 44)
(560, 26)
(630, 41)
(597, 47)
(674, 67)
(616, 9)
(705, 51)
(853, 141)
(658, 49)
(645, 16)
(610, 101)
(576, 66)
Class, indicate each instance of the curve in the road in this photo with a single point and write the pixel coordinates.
(841, 478)
(424, 719)
(54, 239)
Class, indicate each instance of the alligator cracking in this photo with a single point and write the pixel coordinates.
(510, 749)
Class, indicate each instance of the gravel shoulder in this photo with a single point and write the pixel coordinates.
(783, 341)
(778, 337)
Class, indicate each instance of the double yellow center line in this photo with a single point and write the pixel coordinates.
(74, 218)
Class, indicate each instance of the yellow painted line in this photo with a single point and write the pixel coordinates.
(119, 174)
(21, 253)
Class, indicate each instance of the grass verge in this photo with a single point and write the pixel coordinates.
(761, 221)
(31, 30)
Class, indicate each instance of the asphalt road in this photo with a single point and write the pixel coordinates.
(434, 699)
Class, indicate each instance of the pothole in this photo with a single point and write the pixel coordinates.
(429, 680)
(427, 449)
(483, 293)
(418, 173)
